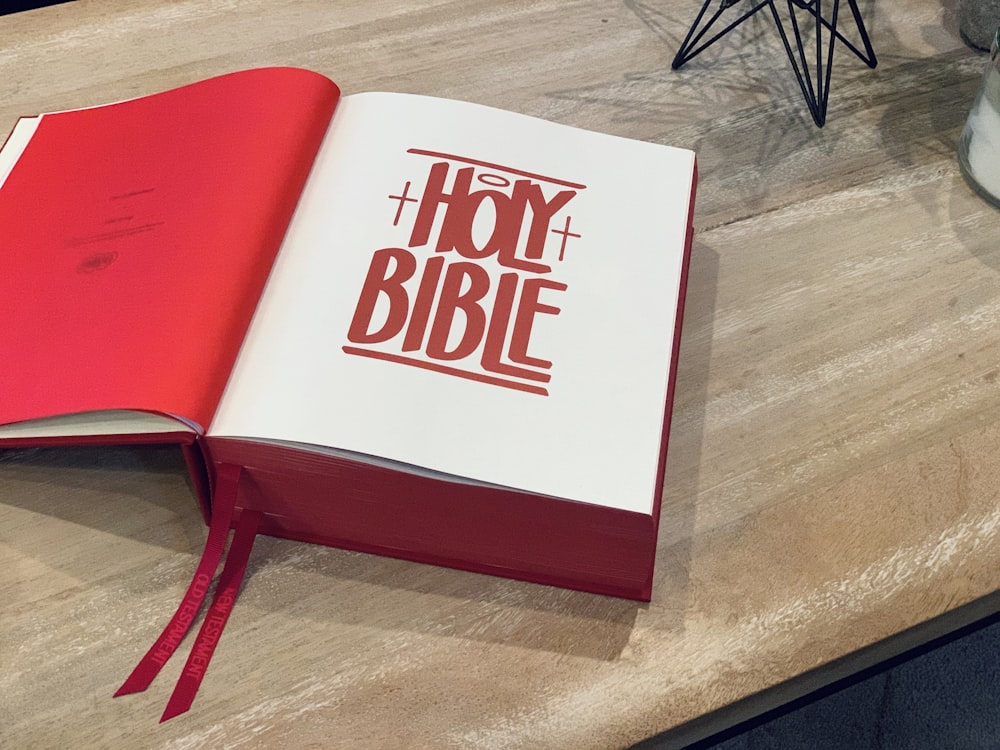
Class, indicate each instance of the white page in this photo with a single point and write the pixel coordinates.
(595, 436)
(15, 144)
(94, 423)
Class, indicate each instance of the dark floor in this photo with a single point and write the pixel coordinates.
(15, 6)
(945, 698)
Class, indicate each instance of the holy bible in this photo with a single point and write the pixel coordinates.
(396, 324)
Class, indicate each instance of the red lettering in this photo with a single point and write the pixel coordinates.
(496, 335)
(434, 196)
(380, 281)
(443, 315)
(541, 214)
(527, 308)
(462, 205)
(422, 304)
(454, 298)
(456, 231)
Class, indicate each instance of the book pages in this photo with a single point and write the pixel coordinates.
(475, 292)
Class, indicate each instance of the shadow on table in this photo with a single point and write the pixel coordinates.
(680, 494)
(106, 488)
(103, 488)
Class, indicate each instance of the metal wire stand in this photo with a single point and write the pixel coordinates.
(814, 80)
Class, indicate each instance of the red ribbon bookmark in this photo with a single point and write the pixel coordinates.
(218, 531)
(223, 509)
(218, 614)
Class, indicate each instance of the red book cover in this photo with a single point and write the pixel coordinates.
(136, 239)
(419, 327)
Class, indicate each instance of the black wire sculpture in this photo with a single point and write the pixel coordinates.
(813, 80)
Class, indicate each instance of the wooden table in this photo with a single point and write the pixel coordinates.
(832, 480)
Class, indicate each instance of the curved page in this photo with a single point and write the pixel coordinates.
(135, 239)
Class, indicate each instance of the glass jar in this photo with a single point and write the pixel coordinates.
(979, 146)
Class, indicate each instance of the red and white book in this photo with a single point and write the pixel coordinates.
(419, 327)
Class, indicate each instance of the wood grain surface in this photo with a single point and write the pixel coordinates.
(832, 478)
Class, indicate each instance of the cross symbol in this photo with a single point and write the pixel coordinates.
(403, 199)
(566, 234)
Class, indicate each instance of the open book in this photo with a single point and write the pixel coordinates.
(420, 327)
